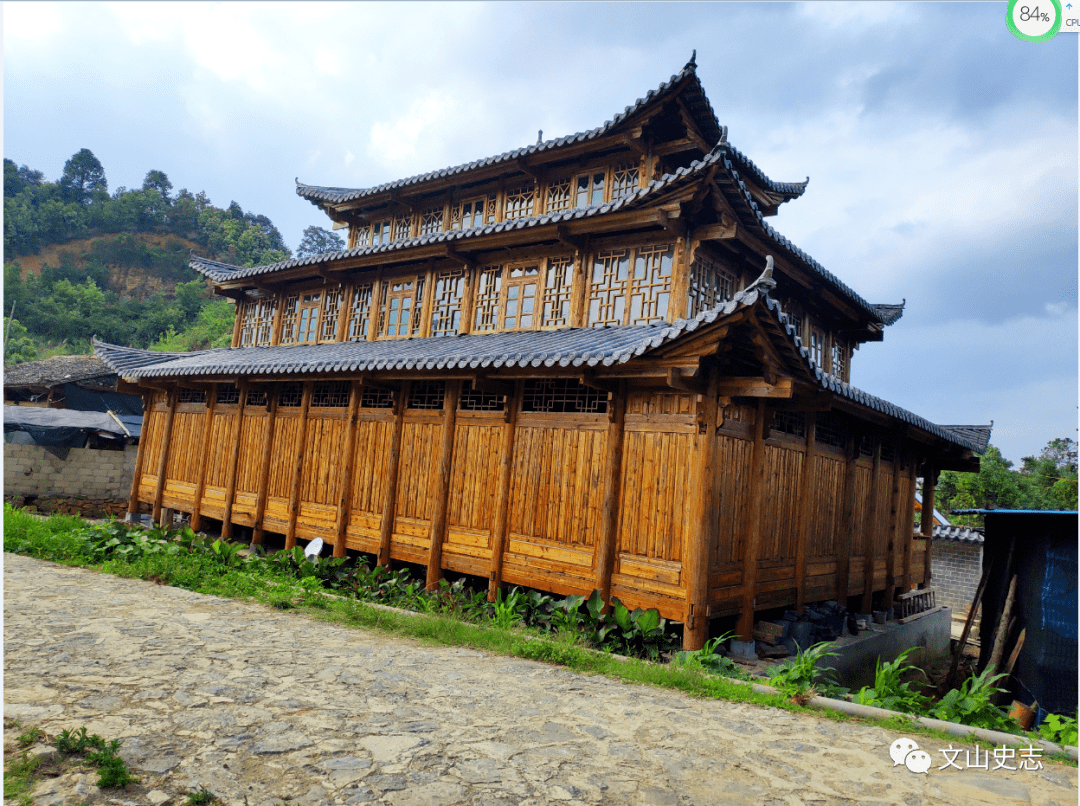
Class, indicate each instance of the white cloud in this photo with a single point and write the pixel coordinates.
(855, 15)
(395, 143)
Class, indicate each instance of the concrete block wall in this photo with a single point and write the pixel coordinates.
(956, 568)
(31, 470)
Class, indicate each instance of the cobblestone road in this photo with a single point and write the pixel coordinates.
(252, 702)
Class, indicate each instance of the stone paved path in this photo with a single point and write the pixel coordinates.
(272, 706)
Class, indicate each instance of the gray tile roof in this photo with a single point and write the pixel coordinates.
(572, 348)
(56, 370)
(978, 435)
(961, 534)
(889, 314)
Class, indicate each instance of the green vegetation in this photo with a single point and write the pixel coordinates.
(800, 677)
(891, 691)
(203, 796)
(1061, 729)
(972, 704)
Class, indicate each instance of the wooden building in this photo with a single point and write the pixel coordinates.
(587, 363)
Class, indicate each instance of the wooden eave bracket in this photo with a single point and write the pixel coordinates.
(686, 382)
(529, 170)
(755, 387)
(492, 386)
(672, 221)
(591, 380)
(451, 254)
(636, 141)
(576, 242)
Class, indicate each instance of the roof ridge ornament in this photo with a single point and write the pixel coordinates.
(692, 64)
(765, 283)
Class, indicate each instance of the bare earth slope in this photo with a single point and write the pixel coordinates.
(248, 701)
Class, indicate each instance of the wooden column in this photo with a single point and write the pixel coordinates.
(752, 542)
(200, 482)
(927, 522)
(846, 537)
(166, 437)
(442, 484)
(606, 542)
(386, 524)
(279, 316)
(344, 313)
(806, 508)
(238, 323)
(908, 528)
(375, 310)
(871, 526)
(140, 458)
(234, 462)
(345, 484)
(579, 289)
(680, 281)
(264, 462)
(502, 496)
(892, 546)
(298, 461)
(701, 509)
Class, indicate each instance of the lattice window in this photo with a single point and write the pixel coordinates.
(520, 202)
(840, 361)
(709, 285)
(191, 395)
(519, 297)
(817, 347)
(426, 394)
(473, 213)
(607, 298)
(558, 196)
(446, 307)
(471, 400)
(289, 319)
(790, 422)
(310, 309)
(488, 295)
(560, 276)
(228, 394)
(291, 395)
(651, 284)
(331, 314)
(589, 189)
(371, 398)
(831, 430)
(402, 227)
(248, 314)
(888, 450)
(431, 221)
(363, 236)
(624, 181)
(866, 445)
(396, 316)
(330, 394)
(795, 319)
(255, 397)
(418, 305)
(562, 395)
(360, 312)
(264, 322)
(382, 232)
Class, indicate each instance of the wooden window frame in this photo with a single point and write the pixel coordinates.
(448, 302)
(511, 283)
(394, 289)
(610, 299)
(521, 201)
(487, 205)
(309, 314)
(359, 313)
(558, 285)
(487, 299)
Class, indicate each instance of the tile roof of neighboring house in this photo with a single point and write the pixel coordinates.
(962, 534)
(889, 314)
(56, 370)
(569, 347)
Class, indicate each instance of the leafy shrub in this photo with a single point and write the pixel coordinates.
(971, 704)
(890, 691)
(509, 610)
(799, 677)
(1060, 729)
(708, 659)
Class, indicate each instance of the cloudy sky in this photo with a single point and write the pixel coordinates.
(941, 151)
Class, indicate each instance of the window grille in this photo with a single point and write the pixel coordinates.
(228, 394)
(396, 314)
(866, 445)
(519, 306)
(562, 395)
(331, 313)
(330, 394)
(831, 430)
(488, 294)
(817, 347)
(624, 181)
(558, 196)
(431, 221)
(403, 227)
(289, 318)
(651, 284)
(790, 422)
(248, 314)
(363, 236)
(709, 285)
(255, 397)
(839, 361)
(607, 300)
(471, 400)
(473, 213)
(264, 322)
(590, 189)
(618, 297)
(291, 395)
(371, 398)
(191, 396)
(426, 394)
(446, 308)
(560, 275)
(360, 312)
(520, 202)
(795, 319)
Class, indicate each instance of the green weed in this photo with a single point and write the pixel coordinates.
(30, 736)
(890, 690)
(971, 704)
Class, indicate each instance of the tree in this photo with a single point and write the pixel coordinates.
(1053, 474)
(83, 174)
(157, 180)
(18, 346)
(317, 240)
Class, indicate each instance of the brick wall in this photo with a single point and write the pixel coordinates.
(956, 568)
(31, 470)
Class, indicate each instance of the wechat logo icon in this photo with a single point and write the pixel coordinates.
(905, 751)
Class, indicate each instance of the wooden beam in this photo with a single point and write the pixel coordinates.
(683, 382)
(752, 539)
(140, 459)
(895, 514)
(846, 536)
(298, 474)
(926, 524)
(908, 528)
(704, 520)
(442, 484)
(345, 485)
(755, 387)
(204, 455)
(606, 543)
(238, 324)
(386, 522)
(234, 463)
(491, 386)
(166, 437)
(502, 494)
(603, 384)
(563, 236)
(869, 530)
(717, 232)
(264, 462)
(806, 507)
(671, 221)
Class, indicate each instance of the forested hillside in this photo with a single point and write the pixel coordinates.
(80, 261)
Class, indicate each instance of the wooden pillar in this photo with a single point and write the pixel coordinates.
(806, 508)
(234, 463)
(344, 313)
(442, 484)
(238, 324)
(279, 316)
(908, 528)
(502, 496)
(345, 483)
(140, 458)
(264, 462)
(166, 437)
(752, 541)
(200, 481)
(870, 529)
(298, 474)
(606, 542)
(846, 537)
(704, 522)
(680, 282)
(579, 289)
(927, 522)
(386, 524)
(892, 546)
